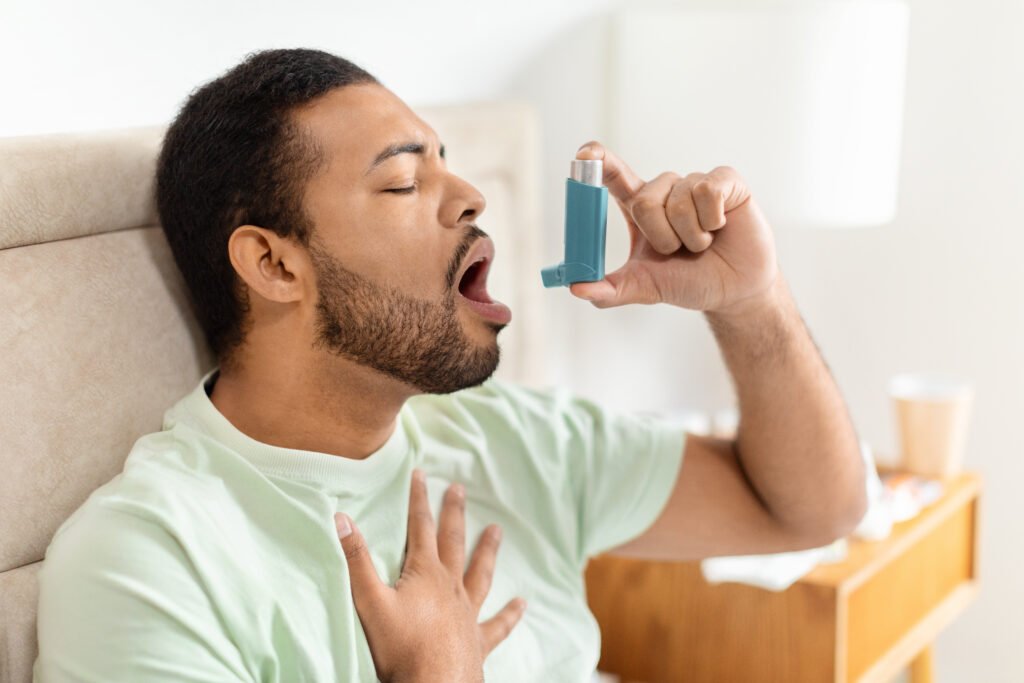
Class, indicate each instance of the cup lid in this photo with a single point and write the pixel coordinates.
(929, 386)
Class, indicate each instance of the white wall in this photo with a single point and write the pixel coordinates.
(82, 65)
(940, 289)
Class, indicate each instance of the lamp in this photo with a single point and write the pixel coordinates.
(804, 100)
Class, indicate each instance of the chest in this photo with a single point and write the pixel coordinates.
(302, 623)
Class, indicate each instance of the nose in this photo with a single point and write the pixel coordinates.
(464, 205)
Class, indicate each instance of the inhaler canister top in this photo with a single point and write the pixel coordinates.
(587, 171)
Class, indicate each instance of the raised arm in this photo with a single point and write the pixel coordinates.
(793, 478)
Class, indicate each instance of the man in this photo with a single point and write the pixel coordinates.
(339, 272)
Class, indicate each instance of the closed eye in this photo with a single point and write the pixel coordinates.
(402, 190)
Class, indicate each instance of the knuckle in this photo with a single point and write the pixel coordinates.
(645, 205)
(706, 189)
(481, 574)
(666, 243)
(455, 501)
(452, 536)
(488, 545)
(422, 517)
(355, 549)
(699, 242)
(725, 171)
(683, 209)
(666, 249)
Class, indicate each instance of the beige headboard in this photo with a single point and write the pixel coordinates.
(97, 339)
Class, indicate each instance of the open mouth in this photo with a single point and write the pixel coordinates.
(473, 284)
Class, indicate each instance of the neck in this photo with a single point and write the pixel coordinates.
(347, 410)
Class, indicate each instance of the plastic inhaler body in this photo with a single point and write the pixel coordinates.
(586, 220)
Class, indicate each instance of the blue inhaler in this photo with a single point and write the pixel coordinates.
(586, 218)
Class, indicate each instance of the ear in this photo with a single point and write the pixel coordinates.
(272, 266)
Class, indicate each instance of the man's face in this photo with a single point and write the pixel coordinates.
(395, 288)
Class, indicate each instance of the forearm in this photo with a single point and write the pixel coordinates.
(796, 442)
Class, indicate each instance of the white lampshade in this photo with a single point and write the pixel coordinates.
(805, 100)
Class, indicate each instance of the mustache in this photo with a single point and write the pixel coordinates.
(467, 242)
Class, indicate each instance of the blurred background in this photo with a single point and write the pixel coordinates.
(934, 285)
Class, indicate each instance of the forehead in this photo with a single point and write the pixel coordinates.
(356, 122)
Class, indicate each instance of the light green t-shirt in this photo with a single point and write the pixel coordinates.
(213, 557)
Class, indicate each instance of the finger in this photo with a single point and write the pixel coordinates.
(421, 534)
(709, 199)
(366, 584)
(498, 627)
(728, 182)
(682, 214)
(648, 212)
(480, 572)
(619, 178)
(451, 537)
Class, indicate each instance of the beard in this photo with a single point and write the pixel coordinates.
(418, 342)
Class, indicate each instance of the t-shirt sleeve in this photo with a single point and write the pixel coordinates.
(622, 466)
(119, 601)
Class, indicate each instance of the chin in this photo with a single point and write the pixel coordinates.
(472, 376)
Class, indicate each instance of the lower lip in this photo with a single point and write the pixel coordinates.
(494, 311)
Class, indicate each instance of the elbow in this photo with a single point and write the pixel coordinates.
(848, 502)
(830, 521)
(841, 519)
(848, 518)
(855, 500)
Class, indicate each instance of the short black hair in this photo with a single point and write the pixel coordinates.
(233, 156)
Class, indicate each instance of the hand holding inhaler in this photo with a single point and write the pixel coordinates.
(697, 242)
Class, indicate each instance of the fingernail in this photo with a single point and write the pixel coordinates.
(585, 148)
(496, 533)
(522, 605)
(342, 524)
(419, 476)
(458, 490)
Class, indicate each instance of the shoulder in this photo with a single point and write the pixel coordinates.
(101, 544)
(116, 569)
(142, 528)
(161, 489)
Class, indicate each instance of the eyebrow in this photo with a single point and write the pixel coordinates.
(399, 148)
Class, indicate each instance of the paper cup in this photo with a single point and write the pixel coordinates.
(932, 414)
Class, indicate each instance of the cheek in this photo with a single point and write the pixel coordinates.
(412, 257)
(417, 266)
(394, 242)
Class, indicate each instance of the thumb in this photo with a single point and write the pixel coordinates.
(616, 289)
(366, 584)
(619, 178)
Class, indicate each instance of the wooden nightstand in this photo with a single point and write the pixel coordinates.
(863, 619)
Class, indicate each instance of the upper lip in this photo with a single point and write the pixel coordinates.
(482, 250)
